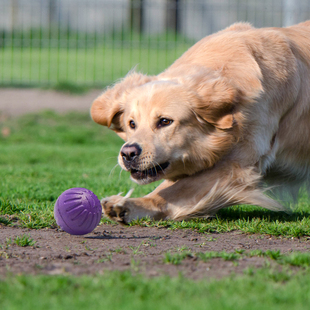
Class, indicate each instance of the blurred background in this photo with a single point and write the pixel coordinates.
(94, 42)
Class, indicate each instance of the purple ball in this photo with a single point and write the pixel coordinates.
(77, 211)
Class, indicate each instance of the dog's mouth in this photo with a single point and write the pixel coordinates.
(151, 174)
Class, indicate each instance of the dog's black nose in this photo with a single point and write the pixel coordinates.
(130, 152)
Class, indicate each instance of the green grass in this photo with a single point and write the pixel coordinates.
(176, 258)
(298, 259)
(47, 153)
(90, 66)
(22, 241)
(266, 289)
(251, 220)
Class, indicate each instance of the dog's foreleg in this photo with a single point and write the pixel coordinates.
(126, 209)
(199, 195)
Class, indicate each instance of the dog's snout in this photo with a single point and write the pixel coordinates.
(130, 152)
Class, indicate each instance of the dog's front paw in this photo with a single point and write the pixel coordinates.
(116, 208)
(125, 209)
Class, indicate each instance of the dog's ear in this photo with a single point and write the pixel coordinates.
(217, 102)
(221, 102)
(108, 108)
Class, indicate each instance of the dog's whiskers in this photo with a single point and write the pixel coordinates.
(154, 167)
(112, 157)
(162, 170)
(119, 175)
(112, 170)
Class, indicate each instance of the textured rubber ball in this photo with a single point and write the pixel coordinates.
(77, 211)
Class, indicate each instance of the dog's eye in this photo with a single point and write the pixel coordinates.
(164, 122)
(132, 124)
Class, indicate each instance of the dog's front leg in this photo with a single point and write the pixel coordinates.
(125, 209)
(178, 200)
(199, 195)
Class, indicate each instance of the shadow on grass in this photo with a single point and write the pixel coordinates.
(4, 221)
(253, 221)
(266, 215)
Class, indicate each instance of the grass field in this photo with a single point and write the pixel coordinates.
(266, 290)
(46, 153)
(92, 66)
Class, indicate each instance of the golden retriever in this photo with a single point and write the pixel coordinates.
(231, 115)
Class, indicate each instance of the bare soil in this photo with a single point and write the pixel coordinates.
(109, 247)
(138, 249)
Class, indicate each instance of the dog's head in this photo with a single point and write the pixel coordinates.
(172, 127)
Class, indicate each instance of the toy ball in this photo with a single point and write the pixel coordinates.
(77, 211)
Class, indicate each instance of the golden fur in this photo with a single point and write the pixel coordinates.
(229, 116)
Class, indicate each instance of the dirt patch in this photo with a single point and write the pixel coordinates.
(139, 249)
(15, 102)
